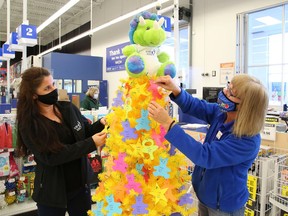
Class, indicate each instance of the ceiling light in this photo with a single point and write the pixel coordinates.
(61, 11)
(268, 20)
(105, 25)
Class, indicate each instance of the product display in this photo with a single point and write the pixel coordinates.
(16, 175)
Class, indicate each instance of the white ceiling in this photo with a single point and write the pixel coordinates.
(39, 10)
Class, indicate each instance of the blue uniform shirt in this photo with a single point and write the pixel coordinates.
(222, 161)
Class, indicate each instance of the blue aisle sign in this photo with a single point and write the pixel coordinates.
(1, 55)
(13, 42)
(27, 35)
(167, 23)
(7, 53)
(115, 59)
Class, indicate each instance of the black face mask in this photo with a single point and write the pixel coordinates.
(50, 98)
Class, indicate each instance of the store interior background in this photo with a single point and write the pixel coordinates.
(212, 42)
(211, 39)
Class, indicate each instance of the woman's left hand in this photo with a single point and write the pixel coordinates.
(103, 121)
(159, 114)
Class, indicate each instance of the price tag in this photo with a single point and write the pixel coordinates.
(11, 180)
(269, 132)
(12, 193)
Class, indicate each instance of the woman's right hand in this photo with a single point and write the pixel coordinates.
(168, 83)
(99, 138)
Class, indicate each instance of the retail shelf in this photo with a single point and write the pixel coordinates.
(279, 202)
(18, 208)
(279, 196)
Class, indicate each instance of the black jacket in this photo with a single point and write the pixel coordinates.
(49, 183)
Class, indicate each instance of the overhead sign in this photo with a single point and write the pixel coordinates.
(115, 59)
(167, 23)
(13, 42)
(1, 55)
(27, 35)
(7, 53)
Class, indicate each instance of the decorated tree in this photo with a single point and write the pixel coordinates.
(143, 174)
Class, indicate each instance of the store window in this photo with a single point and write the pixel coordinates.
(263, 50)
(183, 68)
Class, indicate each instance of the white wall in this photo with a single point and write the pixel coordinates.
(214, 36)
(213, 41)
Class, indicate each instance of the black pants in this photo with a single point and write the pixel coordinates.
(78, 204)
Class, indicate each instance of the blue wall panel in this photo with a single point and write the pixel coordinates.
(75, 67)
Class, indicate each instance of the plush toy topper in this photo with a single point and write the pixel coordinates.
(140, 20)
(143, 55)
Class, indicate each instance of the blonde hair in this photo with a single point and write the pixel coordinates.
(91, 91)
(253, 106)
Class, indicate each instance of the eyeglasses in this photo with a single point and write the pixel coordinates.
(230, 90)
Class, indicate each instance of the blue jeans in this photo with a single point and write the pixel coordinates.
(79, 202)
(206, 211)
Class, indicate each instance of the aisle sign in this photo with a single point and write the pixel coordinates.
(6, 52)
(167, 25)
(1, 55)
(27, 35)
(13, 42)
(269, 131)
(115, 59)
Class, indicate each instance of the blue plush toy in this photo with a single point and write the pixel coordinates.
(143, 55)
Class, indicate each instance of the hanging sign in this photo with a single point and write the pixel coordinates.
(7, 53)
(1, 55)
(27, 35)
(115, 59)
(167, 25)
(13, 42)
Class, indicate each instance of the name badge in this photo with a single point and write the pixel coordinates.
(219, 135)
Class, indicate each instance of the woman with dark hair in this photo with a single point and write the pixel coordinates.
(60, 139)
(231, 145)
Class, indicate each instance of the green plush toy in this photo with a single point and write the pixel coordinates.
(143, 55)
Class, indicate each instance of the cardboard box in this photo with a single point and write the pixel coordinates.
(62, 95)
(76, 100)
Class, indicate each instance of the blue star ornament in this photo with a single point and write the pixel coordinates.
(113, 207)
(162, 169)
(143, 122)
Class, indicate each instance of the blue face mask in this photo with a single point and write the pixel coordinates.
(225, 104)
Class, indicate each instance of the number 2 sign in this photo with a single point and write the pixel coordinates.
(27, 35)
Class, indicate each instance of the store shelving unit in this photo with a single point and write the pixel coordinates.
(18, 208)
(260, 184)
(279, 195)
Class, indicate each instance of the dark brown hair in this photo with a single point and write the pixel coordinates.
(36, 126)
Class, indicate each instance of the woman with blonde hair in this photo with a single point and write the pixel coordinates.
(231, 145)
(91, 100)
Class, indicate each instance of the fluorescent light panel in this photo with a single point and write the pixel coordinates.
(61, 11)
(268, 20)
(90, 32)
